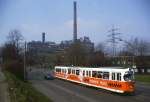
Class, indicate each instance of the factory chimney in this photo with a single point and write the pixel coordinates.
(75, 22)
(43, 37)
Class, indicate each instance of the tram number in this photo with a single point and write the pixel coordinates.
(115, 85)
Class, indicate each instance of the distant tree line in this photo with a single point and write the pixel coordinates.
(74, 55)
(135, 52)
(140, 49)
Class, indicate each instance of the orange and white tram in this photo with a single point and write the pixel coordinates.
(116, 79)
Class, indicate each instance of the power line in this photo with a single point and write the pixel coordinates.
(113, 39)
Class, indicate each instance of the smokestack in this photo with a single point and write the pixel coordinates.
(75, 22)
(43, 37)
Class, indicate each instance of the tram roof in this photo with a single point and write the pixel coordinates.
(92, 67)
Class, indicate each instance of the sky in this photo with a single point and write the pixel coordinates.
(55, 17)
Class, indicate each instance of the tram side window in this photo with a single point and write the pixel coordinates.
(73, 71)
(65, 70)
(69, 71)
(113, 76)
(58, 70)
(94, 74)
(105, 75)
(62, 70)
(87, 74)
(55, 70)
(83, 73)
(119, 76)
(99, 74)
(77, 72)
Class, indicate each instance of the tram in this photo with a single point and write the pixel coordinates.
(116, 79)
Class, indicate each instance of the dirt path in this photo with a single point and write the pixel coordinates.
(4, 96)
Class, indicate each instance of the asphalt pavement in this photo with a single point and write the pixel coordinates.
(63, 91)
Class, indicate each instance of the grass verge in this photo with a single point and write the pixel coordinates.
(21, 91)
(142, 78)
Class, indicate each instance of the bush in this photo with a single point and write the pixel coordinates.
(23, 92)
(15, 67)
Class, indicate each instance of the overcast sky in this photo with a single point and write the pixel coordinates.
(95, 18)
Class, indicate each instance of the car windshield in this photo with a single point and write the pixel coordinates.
(128, 76)
(48, 74)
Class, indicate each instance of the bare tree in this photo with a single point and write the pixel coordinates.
(131, 46)
(143, 48)
(100, 47)
(137, 47)
(97, 59)
(12, 59)
(15, 37)
(76, 54)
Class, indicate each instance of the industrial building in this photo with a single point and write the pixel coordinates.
(51, 47)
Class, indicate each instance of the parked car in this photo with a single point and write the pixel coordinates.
(49, 76)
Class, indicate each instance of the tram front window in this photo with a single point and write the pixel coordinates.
(128, 76)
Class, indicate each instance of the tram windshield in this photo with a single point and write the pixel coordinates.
(129, 76)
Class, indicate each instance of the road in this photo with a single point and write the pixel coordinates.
(63, 91)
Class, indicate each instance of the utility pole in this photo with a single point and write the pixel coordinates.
(25, 77)
(113, 39)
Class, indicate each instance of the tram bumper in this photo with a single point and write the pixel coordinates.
(130, 87)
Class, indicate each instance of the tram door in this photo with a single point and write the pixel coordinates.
(81, 74)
